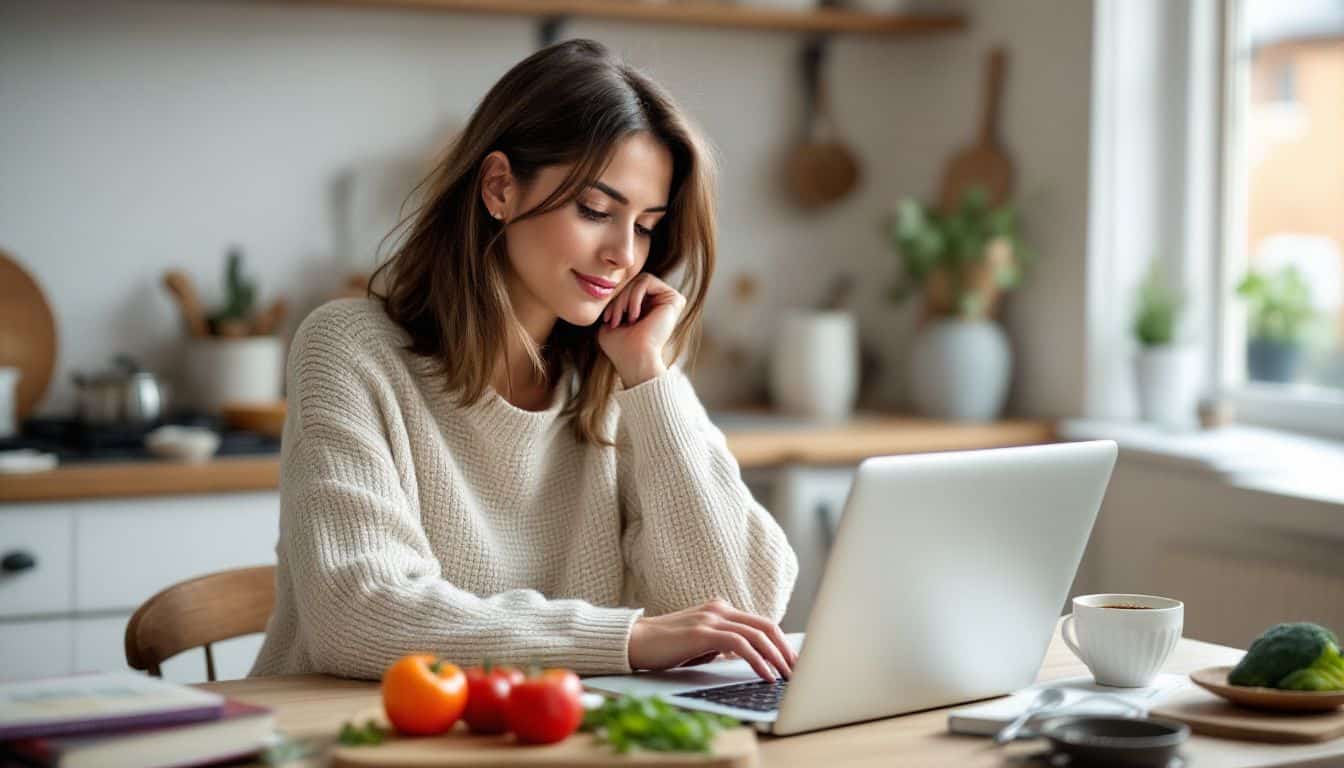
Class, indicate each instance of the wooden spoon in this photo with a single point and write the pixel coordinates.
(193, 314)
(984, 163)
(267, 322)
(822, 169)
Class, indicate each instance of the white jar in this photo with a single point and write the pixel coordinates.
(1167, 383)
(814, 370)
(247, 370)
(9, 401)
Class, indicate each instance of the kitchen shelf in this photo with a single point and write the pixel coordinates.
(844, 443)
(692, 12)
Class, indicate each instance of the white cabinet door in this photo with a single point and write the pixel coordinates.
(40, 534)
(36, 649)
(126, 550)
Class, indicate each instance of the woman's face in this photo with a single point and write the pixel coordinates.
(569, 263)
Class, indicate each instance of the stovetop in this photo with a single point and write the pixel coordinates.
(74, 442)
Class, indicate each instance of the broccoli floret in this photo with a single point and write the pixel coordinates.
(1324, 674)
(1300, 657)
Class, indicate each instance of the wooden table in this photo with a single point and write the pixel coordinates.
(313, 706)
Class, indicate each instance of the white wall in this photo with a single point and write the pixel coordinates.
(138, 136)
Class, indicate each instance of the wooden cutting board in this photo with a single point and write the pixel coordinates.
(983, 164)
(27, 333)
(1209, 715)
(732, 749)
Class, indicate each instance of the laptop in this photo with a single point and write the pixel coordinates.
(945, 581)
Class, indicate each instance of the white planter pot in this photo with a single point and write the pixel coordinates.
(814, 368)
(960, 370)
(1166, 381)
(247, 370)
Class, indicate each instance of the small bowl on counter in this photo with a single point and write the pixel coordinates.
(189, 444)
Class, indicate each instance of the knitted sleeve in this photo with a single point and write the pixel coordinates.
(367, 586)
(693, 532)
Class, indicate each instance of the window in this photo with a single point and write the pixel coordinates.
(1283, 340)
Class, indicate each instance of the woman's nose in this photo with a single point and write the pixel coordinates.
(620, 251)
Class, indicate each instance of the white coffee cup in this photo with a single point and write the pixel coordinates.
(1123, 646)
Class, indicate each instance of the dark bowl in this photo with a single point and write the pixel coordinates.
(1114, 741)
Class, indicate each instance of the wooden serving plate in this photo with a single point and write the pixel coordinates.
(1214, 680)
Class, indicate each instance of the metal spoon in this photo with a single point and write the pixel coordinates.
(1046, 699)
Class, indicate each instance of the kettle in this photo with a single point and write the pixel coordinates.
(125, 395)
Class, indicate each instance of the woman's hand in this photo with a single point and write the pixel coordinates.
(637, 325)
(698, 634)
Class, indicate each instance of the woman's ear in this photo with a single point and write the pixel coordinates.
(498, 189)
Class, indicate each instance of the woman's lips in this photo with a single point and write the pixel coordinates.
(598, 290)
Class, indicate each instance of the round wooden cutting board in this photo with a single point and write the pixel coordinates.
(27, 333)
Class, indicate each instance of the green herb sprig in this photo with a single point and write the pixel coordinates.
(653, 724)
(353, 735)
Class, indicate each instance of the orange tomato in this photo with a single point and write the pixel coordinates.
(422, 695)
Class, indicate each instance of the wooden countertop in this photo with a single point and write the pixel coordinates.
(754, 447)
(311, 708)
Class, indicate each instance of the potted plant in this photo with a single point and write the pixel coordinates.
(1166, 372)
(961, 262)
(1281, 313)
(238, 359)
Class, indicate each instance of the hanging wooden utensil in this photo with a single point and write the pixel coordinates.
(984, 163)
(193, 314)
(822, 169)
(27, 334)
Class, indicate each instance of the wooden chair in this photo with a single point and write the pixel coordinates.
(198, 612)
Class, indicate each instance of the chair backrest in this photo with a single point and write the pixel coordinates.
(198, 612)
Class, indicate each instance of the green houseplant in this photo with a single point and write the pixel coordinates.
(1166, 373)
(1280, 318)
(960, 261)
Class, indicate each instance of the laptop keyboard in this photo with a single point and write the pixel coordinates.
(758, 695)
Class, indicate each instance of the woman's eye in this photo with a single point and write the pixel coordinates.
(593, 214)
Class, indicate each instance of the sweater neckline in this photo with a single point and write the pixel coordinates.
(509, 416)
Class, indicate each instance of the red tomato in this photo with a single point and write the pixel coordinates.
(422, 695)
(488, 697)
(545, 708)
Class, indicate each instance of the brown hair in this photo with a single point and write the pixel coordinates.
(569, 103)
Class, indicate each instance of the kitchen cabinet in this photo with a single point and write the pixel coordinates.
(96, 561)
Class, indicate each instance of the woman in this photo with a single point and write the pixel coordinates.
(491, 457)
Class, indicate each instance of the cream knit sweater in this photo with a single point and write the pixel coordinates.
(408, 523)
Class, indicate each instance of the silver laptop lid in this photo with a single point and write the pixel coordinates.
(945, 581)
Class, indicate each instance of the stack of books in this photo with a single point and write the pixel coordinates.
(114, 719)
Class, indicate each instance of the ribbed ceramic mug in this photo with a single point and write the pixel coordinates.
(1123, 639)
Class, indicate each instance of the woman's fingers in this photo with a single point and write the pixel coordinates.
(763, 645)
(636, 299)
(725, 640)
(771, 630)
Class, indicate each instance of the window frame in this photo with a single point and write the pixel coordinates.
(1297, 407)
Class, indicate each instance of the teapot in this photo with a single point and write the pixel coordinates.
(125, 395)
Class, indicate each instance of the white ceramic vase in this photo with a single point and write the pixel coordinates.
(814, 368)
(246, 370)
(1166, 381)
(960, 369)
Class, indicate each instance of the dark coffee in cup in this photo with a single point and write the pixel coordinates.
(1124, 607)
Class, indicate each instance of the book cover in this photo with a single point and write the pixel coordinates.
(240, 730)
(99, 701)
